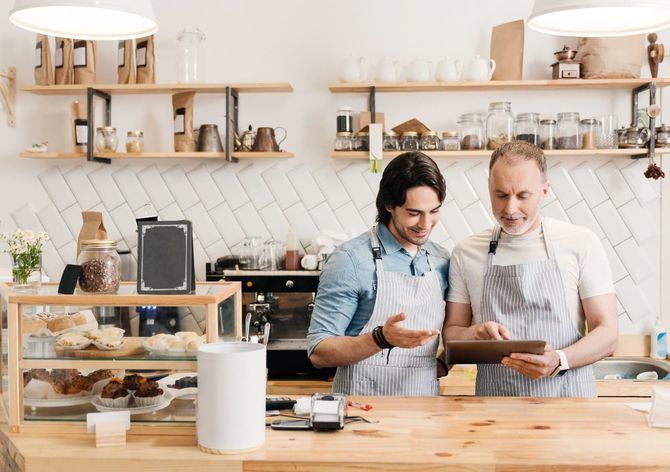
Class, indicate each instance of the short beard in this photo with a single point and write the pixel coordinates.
(407, 237)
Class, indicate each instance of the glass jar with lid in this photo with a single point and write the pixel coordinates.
(450, 141)
(106, 139)
(362, 141)
(499, 125)
(471, 131)
(590, 130)
(409, 141)
(527, 128)
(345, 120)
(548, 134)
(135, 141)
(568, 132)
(344, 141)
(100, 266)
(391, 141)
(429, 141)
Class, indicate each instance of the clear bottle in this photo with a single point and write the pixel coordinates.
(658, 344)
(106, 139)
(135, 141)
(100, 267)
(471, 131)
(527, 128)
(451, 141)
(391, 141)
(345, 120)
(590, 129)
(409, 141)
(429, 141)
(344, 142)
(362, 141)
(568, 131)
(548, 139)
(189, 65)
(499, 125)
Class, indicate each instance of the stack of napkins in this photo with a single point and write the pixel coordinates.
(659, 414)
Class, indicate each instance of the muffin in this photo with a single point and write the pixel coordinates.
(148, 394)
(132, 382)
(115, 395)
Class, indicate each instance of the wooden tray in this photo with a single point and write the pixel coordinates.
(131, 347)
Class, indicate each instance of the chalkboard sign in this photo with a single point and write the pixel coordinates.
(165, 257)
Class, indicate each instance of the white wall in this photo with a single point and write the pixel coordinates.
(303, 42)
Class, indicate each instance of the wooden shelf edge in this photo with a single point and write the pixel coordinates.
(129, 89)
(155, 155)
(363, 155)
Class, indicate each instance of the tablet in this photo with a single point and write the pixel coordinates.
(489, 351)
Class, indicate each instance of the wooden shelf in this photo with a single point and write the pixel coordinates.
(382, 87)
(156, 155)
(363, 155)
(133, 89)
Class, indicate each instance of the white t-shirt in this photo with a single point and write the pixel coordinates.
(581, 259)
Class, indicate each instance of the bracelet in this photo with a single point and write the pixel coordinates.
(379, 338)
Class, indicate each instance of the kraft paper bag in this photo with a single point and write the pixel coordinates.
(507, 43)
(611, 57)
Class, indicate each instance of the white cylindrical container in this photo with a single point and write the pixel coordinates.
(230, 415)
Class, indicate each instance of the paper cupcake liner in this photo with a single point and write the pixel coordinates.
(142, 402)
(121, 402)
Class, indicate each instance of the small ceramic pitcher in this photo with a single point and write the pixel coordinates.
(480, 69)
(449, 70)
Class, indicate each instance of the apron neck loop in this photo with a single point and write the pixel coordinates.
(493, 244)
(376, 247)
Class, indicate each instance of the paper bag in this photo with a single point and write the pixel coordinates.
(92, 228)
(507, 41)
(611, 57)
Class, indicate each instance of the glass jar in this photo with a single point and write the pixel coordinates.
(471, 131)
(190, 67)
(391, 141)
(548, 139)
(607, 137)
(362, 141)
(345, 120)
(663, 136)
(450, 141)
(409, 141)
(429, 141)
(135, 141)
(100, 266)
(344, 142)
(568, 132)
(590, 130)
(527, 128)
(106, 139)
(499, 125)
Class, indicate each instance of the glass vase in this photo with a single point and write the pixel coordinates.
(26, 271)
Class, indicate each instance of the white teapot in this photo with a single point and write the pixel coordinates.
(449, 70)
(480, 69)
(353, 69)
(419, 70)
(387, 71)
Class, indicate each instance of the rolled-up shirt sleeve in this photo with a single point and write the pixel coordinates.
(336, 299)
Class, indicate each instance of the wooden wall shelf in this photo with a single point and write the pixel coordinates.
(133, 89)
(363, 155)
(157, 155)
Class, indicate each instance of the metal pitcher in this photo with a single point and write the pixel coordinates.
(209, 139)
(265, 140)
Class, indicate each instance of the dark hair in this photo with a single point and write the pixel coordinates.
(520, 150)
(408, 170)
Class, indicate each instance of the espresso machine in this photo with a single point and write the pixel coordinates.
(278, 307)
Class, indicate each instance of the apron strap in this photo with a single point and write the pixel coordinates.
(376, 248)
(548, 242)
(493, 244)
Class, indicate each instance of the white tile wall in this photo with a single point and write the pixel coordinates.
(588, 185)
(81, 187)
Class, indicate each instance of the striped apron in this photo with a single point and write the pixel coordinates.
(402, 372)
(529, 300)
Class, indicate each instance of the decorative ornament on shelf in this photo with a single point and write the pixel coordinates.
(25, 248)
(655, 54)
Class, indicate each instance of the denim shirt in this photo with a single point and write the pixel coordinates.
(348, 282)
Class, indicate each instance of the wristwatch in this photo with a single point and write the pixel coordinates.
(563, 365)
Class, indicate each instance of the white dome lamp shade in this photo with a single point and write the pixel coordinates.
(86, 19)
(599, 17)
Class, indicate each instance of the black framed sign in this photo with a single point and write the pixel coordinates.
(165, 257)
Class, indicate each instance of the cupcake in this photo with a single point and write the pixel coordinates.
(114, 394)
(148, 394)
(132, 382)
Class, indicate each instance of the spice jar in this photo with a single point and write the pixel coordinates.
(471, 131)
(590, 129)
(100, 267)
(499, 125)
(548, 134)
(362, 141)
(391, 141)
(450, 141)
(528, 128)
(429, 141)
(345, 120)
(344, 141)
(409, 141)
(135, 141)
(106, 139)
(568, 132)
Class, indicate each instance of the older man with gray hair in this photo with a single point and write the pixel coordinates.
(532, 277)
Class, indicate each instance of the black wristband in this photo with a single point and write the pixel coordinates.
(380, 339)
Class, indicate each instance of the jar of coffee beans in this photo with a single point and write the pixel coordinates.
(100, 267)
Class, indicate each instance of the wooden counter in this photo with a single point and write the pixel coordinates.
(443, 433)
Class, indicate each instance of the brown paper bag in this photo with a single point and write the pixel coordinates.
(63, 62)
(92, 228)
(611, 57)
(145, 59)
(126, 66)
(44, 74)
(79, 126)
(507, 42)
(182, 113)
(84, 61)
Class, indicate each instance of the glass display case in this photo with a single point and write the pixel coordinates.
(61, 352)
